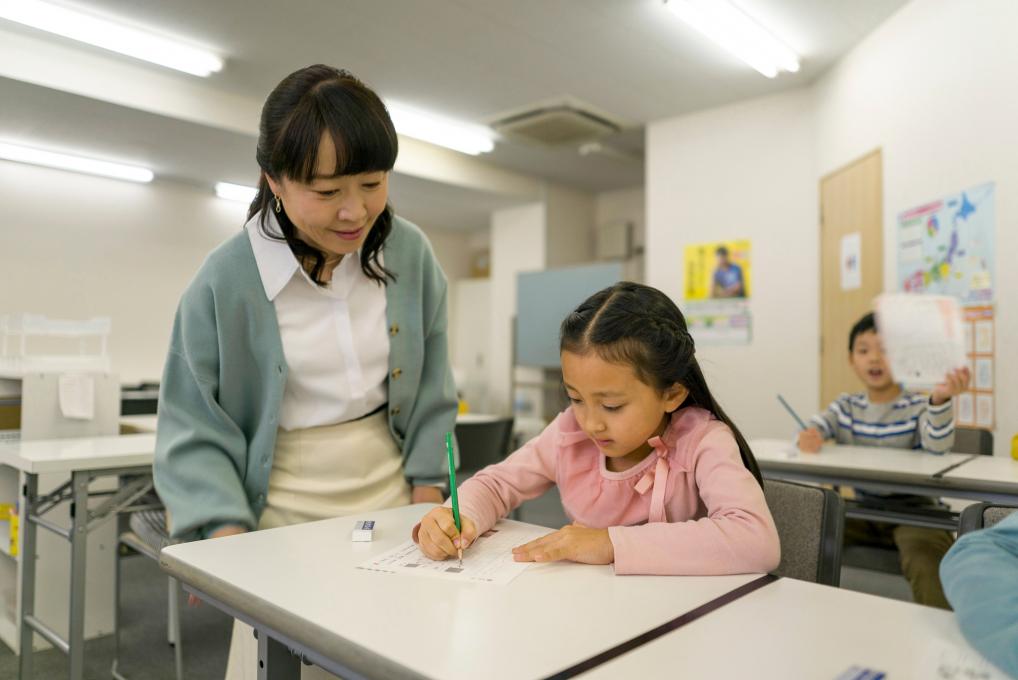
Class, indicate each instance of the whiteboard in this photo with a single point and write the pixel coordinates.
(545, 298)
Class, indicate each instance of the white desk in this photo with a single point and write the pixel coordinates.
(795, 629)
(77, 455)
(995, 478)
(82, 460)
(861, 464)
(955, 475)
(299, 585)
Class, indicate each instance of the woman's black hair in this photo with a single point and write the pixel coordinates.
(629, 323)
(306, 105)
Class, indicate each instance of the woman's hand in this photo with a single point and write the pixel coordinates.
(810, 440)
(225, 530)
(426, 494)
(228, 530)
(575, 543)
(955, 382)
(438, 538)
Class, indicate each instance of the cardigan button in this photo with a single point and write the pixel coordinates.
(393, 329)
(396, 372)
(394, 411)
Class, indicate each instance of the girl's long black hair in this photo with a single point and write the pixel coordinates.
(307, 104)
(641, 327)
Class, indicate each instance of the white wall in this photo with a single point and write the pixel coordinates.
(935, 88)
(745, 171)
(570, 230)
(623, 205)
(517, 245)
(453, 249)
(470, 341)
(75, 246)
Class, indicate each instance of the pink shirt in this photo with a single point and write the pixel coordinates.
(691, 507)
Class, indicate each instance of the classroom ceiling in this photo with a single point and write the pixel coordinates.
(474, 60)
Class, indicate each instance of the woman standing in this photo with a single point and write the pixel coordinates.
(308, 373)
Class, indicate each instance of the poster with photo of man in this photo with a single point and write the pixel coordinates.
(718, 270)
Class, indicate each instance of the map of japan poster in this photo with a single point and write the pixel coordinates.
(946, 247)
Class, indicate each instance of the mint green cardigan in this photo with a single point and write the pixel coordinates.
(225, 372)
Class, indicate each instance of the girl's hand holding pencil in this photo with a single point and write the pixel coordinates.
(438, 538)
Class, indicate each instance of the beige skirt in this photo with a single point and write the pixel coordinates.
(319, 473)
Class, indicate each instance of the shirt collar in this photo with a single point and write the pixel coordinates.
(276, 262)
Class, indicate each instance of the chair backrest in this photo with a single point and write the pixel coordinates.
(483, 442)
(971, 440)
(982, 516)
(810, 522)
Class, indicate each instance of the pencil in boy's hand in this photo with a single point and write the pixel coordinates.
(792, 412)
(452, 492)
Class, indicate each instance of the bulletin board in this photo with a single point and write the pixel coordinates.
(976, 408)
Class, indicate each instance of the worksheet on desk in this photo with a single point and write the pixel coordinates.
(488, 560)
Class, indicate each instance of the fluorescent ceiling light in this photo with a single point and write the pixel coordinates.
(735, 31)
(110, 35)
(235, 192)
(466, 137)
(50, 159)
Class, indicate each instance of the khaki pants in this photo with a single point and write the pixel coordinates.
(921, 551)
(319, 473)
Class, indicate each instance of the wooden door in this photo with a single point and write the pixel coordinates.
(851, 202)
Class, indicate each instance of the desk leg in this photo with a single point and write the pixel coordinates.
(275, 661)
(27, 528)
(79, 541)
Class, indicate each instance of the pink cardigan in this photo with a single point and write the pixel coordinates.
(691, 507)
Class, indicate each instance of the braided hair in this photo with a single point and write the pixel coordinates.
(639, 326)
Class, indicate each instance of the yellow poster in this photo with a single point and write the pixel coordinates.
(718, 270)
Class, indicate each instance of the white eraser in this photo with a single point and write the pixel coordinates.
(363, 530)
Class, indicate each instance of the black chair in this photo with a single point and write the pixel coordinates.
(982, 516)
(482, 440)
(971, 440)
(810, 522)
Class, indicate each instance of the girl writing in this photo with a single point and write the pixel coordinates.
(656, 478)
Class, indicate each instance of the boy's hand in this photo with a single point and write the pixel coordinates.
(810, 440)
(955, 382)
(438, 538)
(575, 543)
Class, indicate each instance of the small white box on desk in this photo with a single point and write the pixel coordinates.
(363, 531)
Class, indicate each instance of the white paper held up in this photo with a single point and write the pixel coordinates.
(922, 336)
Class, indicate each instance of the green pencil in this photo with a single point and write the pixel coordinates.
(452, 491)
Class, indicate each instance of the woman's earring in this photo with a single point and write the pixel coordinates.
(279, 205)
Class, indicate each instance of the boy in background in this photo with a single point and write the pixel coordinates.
(886, 415)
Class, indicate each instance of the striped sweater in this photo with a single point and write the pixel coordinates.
(909, 422)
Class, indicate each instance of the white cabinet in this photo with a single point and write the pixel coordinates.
(41, 419)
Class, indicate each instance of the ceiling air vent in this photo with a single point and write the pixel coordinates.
(556, 125)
